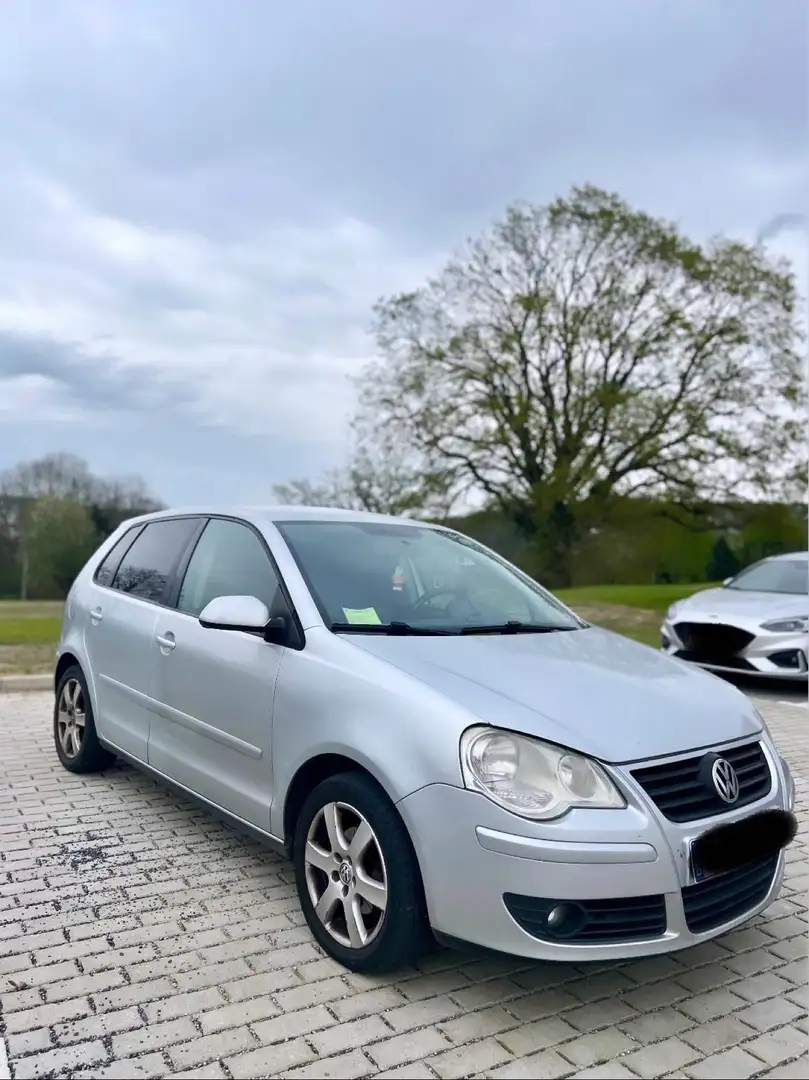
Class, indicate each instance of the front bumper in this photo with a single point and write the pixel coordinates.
(767, 654)
(475, 858)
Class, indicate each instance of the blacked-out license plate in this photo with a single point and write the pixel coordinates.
(751, 840)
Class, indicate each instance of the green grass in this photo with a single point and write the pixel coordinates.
(646, 635)
(648, 597)
(29, 631)
(31, 609)
(28, 634)
(30, 623)
(635, 611)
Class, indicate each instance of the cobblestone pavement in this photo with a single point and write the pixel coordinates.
(141, 937)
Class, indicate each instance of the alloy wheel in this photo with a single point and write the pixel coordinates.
(345, 875)
(71, 719)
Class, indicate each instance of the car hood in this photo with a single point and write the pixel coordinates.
(726, 603)
(590, 690)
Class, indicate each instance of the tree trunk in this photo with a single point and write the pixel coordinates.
(24, 574)
(552, 532)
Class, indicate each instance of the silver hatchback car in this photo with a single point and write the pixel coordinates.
(438, 743)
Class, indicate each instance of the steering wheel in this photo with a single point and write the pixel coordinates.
(456, 594)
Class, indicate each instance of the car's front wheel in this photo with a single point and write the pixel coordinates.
(74, 729)
(358, 878)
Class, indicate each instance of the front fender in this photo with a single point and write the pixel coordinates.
(402, 733)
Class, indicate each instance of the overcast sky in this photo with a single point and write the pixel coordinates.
(201, 199)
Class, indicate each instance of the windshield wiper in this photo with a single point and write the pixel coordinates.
(395, 629)
(514, 626)
(403, 629)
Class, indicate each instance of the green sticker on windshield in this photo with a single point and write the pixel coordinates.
(362, 616)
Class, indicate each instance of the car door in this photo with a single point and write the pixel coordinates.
(215, 688)
(124, 602)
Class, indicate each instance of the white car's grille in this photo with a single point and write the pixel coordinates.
(713, 640)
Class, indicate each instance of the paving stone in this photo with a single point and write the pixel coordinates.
(185, 955)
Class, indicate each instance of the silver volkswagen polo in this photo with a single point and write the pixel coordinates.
(441, 746)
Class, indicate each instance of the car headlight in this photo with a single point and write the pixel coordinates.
(672, 611)
(798, 624)
(532, 778)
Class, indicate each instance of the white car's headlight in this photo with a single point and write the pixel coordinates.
(672, 611)
(798, 624)
(531, 778)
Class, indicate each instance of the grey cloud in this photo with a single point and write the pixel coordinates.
(128, 423)
(183, 462)
(779, 224)
(147, 294)
(412, 115)
(95, 382)
(226, 127)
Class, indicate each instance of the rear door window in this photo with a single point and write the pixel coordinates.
(147, 566)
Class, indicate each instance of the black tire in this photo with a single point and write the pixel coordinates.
(91, 756)
(402, 932)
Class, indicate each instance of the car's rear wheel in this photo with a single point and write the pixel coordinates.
(358, 878)
(74, 729)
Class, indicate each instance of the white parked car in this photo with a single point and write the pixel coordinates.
(756, 623)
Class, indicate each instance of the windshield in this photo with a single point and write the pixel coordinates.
(368, 574)
(778, 576)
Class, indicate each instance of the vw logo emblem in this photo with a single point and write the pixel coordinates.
(725, 780)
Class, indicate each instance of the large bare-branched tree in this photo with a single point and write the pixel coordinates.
(583, 349)
(383, 476)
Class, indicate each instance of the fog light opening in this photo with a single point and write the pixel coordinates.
(566, 919)
(790, 659)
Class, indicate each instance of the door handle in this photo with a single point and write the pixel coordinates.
(96, 615)
(166, 641)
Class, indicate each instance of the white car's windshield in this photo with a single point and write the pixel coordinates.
(778, 576)
(415, 579)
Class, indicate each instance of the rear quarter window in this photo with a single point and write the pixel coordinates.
(111, 561)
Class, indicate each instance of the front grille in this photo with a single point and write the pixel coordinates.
(590, 922)
(737, 662)
(683, 791)
(720, 900)
(712, 639)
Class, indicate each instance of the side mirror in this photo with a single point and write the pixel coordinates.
(727, 581)
(246, 613)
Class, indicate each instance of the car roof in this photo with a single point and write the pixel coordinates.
(263, 514)
(801, 556)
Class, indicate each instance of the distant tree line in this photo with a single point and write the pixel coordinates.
(53, 515)
(643, 542)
